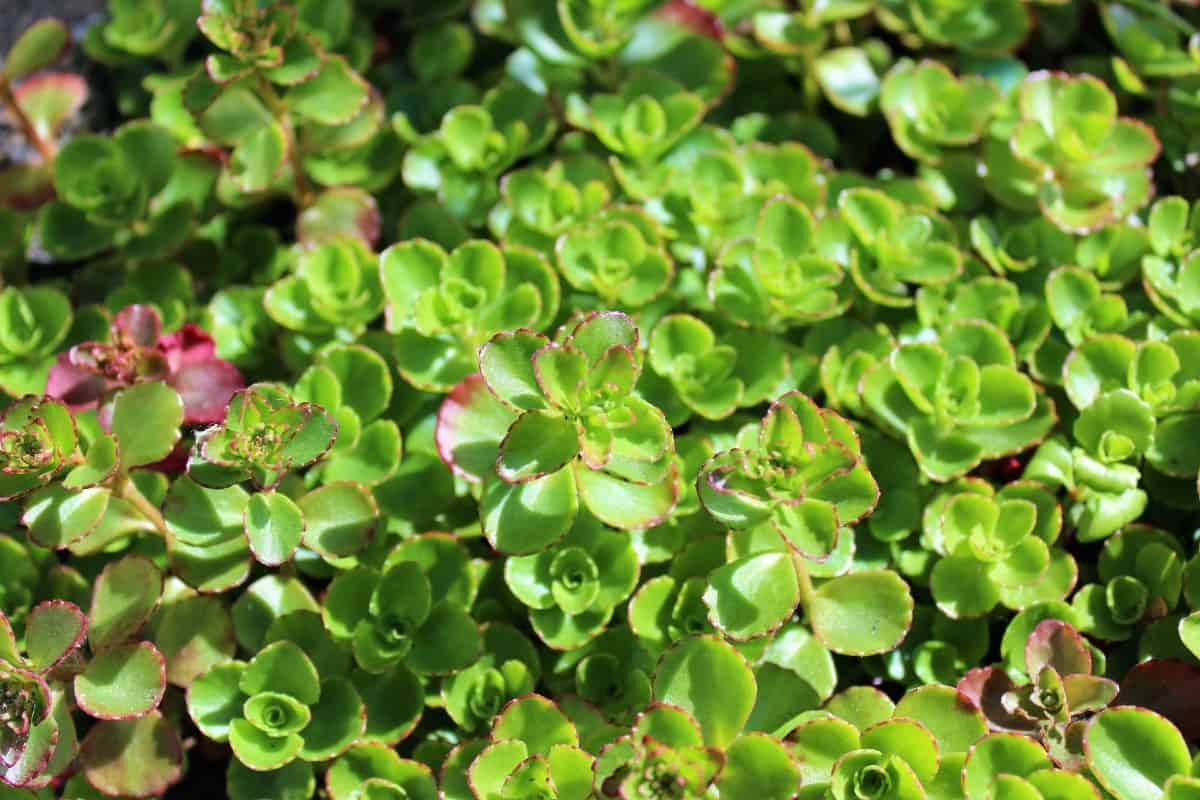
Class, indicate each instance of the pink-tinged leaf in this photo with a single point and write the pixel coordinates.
(1056, 644)
(124, 682)
(188, 346)
(470, 426)
(985, 688)
(78, 388)
(1168, 686)
(25, 187)
(126, 594)
(137, 325)
(54, 630)
(133, 758)
(700, 21)
(206, 389)
(344, 211)
(49, 99)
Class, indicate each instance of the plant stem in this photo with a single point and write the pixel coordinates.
(304, 191)
(807, 593)
(44, 148)
(127, 490)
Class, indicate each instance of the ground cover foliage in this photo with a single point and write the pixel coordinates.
(568, 399)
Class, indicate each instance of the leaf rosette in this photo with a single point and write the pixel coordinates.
(957, 401)
(443, 306)
(806, 478)
(563, 425)
(779, 277)
(265, 435)
(277, 708)
(1091, 166)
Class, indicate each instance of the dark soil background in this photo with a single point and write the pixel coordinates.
(17, 15)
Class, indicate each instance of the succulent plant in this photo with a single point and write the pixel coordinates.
(589, 399)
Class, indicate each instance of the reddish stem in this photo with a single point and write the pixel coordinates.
(44, 148)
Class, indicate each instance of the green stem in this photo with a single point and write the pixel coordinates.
(807, 593)
(127, 490)
(305, 196)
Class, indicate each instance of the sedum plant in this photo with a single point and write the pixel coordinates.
(601, 399)
(567, 430)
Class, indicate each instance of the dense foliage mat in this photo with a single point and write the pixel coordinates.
(568, 399)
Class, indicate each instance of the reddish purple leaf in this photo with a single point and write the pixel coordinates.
(1168, 686)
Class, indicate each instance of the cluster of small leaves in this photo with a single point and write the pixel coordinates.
(588, 399)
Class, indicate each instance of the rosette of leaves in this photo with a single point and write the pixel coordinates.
(537, 205)
(138, 351)
(334, 291)
(930, 111)
(573, 587)
(1021, 314)
(461, 161)
(160, 30)
(710, 378)
(287, 106)
(663, 755)
(714, 190)
(277, 708)
(37, 441)
(804, 476)
(1136, 399)
(612, 672)
(1014, 243)
(1056, 574)
(618, 255)
(115, 191)
(893, 758)
(1105, 496)
(1051, 707)
(791, 501)
(1139, 575)
(265, 435)
(34, 323)
(533, 752)
(443, 306)
(992, 553)
(1171, 270)
(354, 385)
(957, 401)
(990, 27)
(778, 277)
(575, 32)
(650, 114)
(670, 607)
(391, 616)
(551, 424)
(508, 668)
(37, 734)
(888, 247)
(1081, 308)
(1091, 166)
